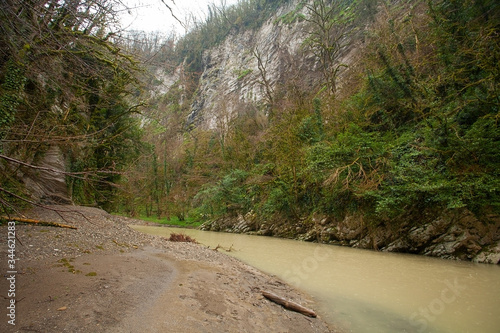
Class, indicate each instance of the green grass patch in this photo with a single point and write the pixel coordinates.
(189, 222)
(67, 263)
(186, 223)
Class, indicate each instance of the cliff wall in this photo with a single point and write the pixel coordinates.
(252, 66)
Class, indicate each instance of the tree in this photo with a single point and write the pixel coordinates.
(64, 83)
(264, 80)
(331, 22)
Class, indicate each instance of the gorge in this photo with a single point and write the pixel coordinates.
(365, 123)
(275, 113)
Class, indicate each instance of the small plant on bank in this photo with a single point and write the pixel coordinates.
(181, 238)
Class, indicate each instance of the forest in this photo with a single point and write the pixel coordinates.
(408, 130)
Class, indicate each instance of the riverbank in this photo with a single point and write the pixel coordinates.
(455, 234)
(105, 277)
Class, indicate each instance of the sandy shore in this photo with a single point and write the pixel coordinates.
(106, 277)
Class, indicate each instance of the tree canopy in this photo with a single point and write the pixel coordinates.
(64, 82)
(415, 131)
(411, 128)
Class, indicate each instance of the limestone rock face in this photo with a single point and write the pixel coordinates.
(48, 184)
(242, 70)
(239, 73)
(232, 77)
(251, 64)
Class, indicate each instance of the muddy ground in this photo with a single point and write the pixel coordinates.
(106, 277)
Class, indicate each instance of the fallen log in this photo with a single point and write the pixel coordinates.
(289, 304)
(32, 221)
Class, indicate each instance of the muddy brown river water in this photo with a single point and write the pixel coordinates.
(374, 292)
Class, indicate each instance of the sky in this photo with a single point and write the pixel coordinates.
(153, 15)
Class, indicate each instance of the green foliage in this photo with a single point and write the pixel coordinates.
(243, 73)
(65, 83)
(279, 200)
(423, 177)
(311, 128)
(350, 167)
(225, 197)
(293, 16)
(13, 80)
(106, 156)
(414, 128)
(173, 221)
(447, 151)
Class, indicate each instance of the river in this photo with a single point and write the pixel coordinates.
(374, 292)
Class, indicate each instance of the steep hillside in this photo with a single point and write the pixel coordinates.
(252, 68)
(366, 123)
(67, 127)
(248, 67)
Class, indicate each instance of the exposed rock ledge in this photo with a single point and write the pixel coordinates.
(451, 235)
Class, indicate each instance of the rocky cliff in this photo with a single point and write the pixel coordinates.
(250, 67)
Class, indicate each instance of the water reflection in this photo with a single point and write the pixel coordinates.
(365, 291)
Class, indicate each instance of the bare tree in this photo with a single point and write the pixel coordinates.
(331, 22)
(264, 80)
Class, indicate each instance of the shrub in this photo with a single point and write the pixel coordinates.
(181, 238)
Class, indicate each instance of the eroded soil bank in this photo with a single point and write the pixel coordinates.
(105, 277)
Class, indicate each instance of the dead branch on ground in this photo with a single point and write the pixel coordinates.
(289, 304)
(32, 221)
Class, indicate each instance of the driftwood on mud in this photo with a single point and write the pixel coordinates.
(230, 249)
(31, 221)
(289, 304)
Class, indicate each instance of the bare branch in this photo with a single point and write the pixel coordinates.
(263, 74)
(13, 160)
(172, 13)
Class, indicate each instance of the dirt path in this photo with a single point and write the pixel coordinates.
(105, 277)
